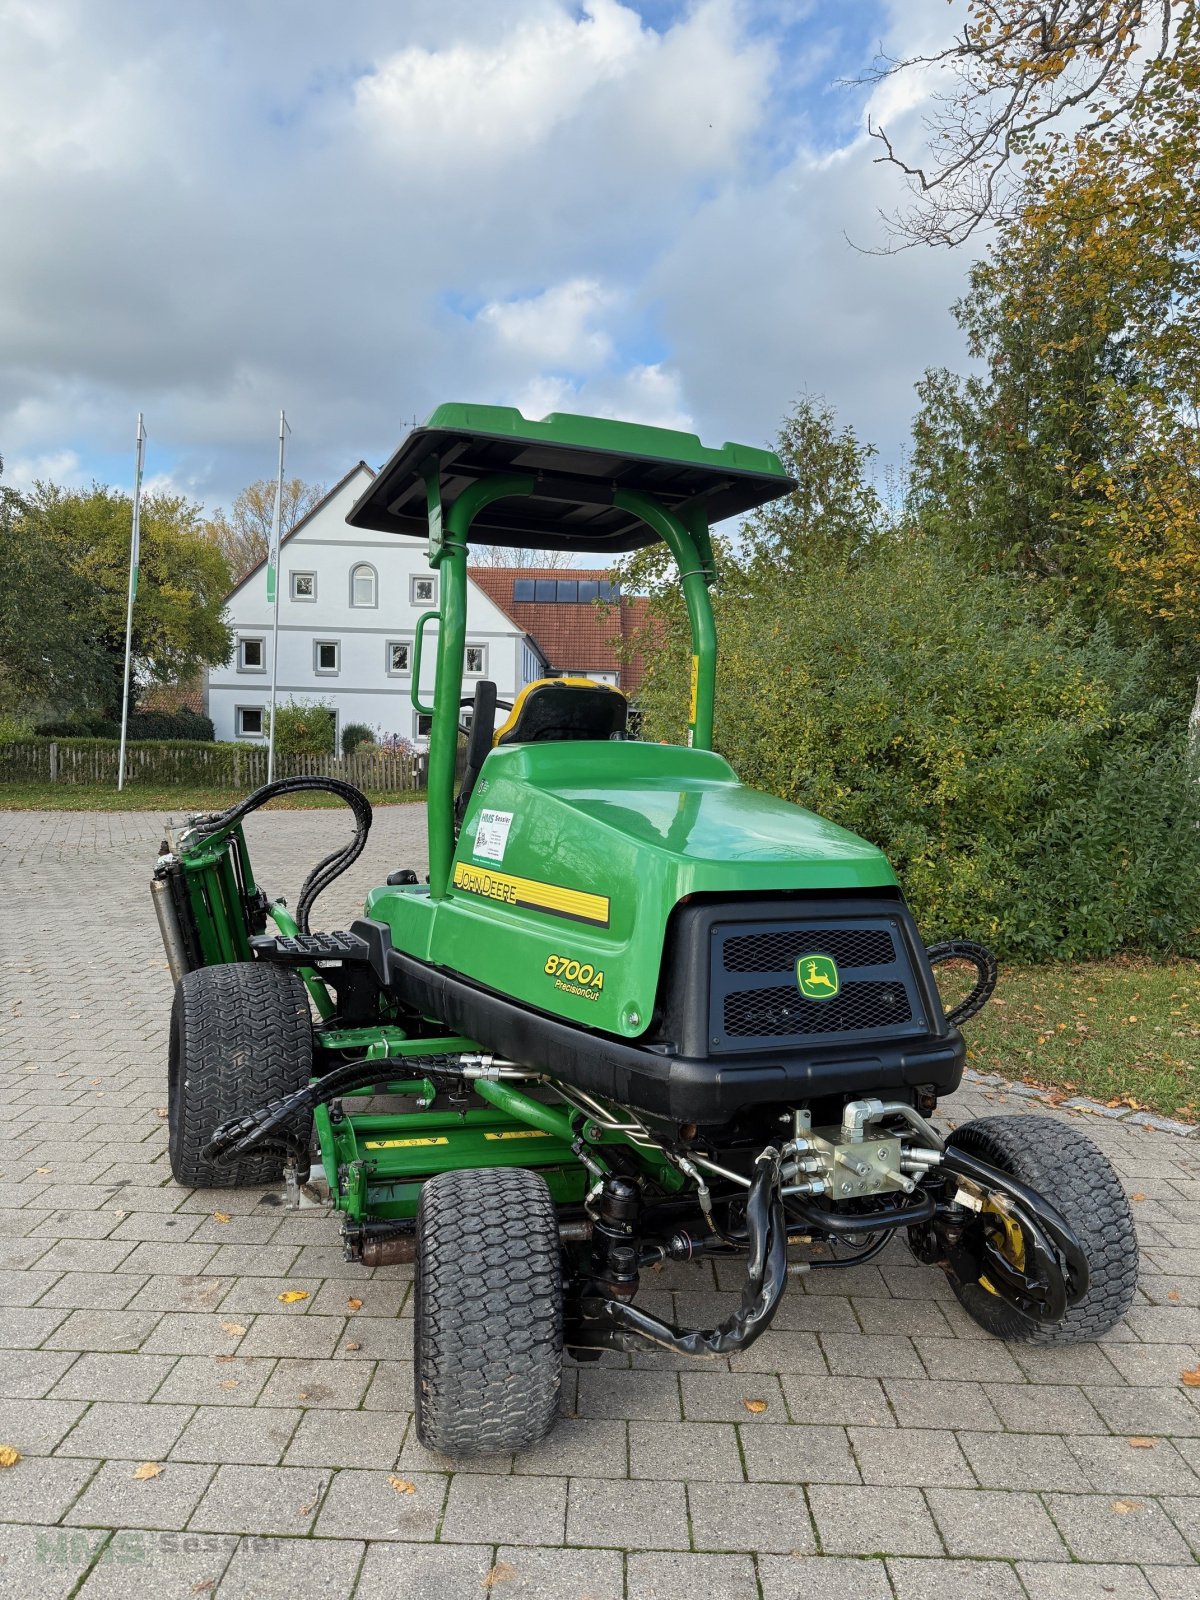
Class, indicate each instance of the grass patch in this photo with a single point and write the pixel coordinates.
(169, 797)
(1124, 1031)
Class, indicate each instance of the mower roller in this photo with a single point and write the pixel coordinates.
(637, 1013)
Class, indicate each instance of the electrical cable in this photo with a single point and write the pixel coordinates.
(985, 964)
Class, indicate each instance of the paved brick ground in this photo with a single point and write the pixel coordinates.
(901, 1452)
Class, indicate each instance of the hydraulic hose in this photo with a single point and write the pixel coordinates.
(331, 866)
(630, 1328)
(985, 964)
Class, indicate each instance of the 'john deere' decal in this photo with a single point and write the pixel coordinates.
(576, 904)
(817, 977)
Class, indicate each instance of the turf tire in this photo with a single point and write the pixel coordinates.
(1077, 1178)
(487, 1362)
(240, 1035)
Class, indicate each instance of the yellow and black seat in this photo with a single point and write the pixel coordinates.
(564, 708)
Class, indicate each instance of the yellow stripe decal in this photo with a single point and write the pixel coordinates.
(576, 904)
(400, 1144)
(519, 1133)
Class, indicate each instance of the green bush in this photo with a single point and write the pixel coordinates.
(1027, 784)
(304, 728)
(355, 735)
(183, 724)
(14, 727)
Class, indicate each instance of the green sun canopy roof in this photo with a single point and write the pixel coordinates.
(579, 464)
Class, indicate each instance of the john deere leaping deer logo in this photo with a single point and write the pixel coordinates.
(818, 977)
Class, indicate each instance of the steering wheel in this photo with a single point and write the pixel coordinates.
(469, 700)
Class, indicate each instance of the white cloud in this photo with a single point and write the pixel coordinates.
(58, 466)
(555, 328)
(381, 206)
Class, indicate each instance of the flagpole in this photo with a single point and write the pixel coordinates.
(273, 595)
(134, 550)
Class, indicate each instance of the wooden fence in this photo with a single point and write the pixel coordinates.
(214, 766)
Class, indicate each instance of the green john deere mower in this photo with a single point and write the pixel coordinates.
(636, 1013)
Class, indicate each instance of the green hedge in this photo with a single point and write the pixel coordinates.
(142, 725)
(1029, 782)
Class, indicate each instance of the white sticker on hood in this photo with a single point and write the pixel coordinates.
(491, 836)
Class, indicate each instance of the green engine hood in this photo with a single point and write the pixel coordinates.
(573, 855)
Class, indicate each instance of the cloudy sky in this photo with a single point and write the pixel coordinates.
(358, 210)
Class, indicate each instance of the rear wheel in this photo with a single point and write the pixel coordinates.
(1076, 1177)
(487, 1361)
(241, 1035)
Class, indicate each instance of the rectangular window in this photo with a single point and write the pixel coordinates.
(252, 655)
(399, 657)
(251, 722)
(475, 662)
(327, 655)
(423, 591)
(304, 586)
(523, 589)
(422, 725)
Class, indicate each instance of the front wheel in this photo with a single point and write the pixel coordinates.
(1077, 1178)
(241, 1035)
(487, 1360)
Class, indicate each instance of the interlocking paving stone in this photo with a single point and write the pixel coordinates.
(158, 1566)
(425, 1572)
(115, 1498)
(1117, 1528)
(242, 1499)
(627, 1515)
(529, 1510)
(145, 1431)
(683, 1577)
(915, 1579)
(104, 1256)
(873, 1521)
(365, 1505)
(41, 1489)
(997, 1523)
(819, 1577)
(1052, 1581)
(750, 1516)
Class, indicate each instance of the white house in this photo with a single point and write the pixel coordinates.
(348, 608)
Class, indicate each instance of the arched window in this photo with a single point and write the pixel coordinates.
(362, 585)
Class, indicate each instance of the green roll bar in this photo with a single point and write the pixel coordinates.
(448, 532)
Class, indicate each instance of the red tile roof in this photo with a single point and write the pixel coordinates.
(573, 638)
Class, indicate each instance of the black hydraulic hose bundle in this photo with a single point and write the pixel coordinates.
(985, 964)
(273, 1126)
(629, 1328)
(331, 866)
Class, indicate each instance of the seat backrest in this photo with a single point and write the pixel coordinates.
(564, 708)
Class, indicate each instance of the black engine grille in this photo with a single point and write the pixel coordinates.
(750, 998)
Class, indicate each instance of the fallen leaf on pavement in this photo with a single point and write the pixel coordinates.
(353, 1345)
(1124, 1507)
(1173, 1296)
(1191, 1376)
(1139, 1196)
(233, 1329)
(148, 1469)
(290, 1296)
(757, 1407)
(222, 1216)
(9, 1455)
(1143, 1444)
(402, 1485)
(500, 1573)
(354, 1304)
(230, 1383)
(161, 1111)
